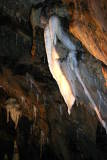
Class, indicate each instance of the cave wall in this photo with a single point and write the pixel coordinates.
(89, 25)
(50, 132)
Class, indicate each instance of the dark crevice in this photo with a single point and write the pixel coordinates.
(14, 25)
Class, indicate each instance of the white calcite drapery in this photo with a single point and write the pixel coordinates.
(62, 70)
(55, 64)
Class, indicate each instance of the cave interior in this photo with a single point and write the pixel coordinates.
(34, 119)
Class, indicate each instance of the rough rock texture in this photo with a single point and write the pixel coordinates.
(89, 25)
(45, 130)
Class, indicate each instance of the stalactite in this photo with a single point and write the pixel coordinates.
(42, 142)
(90, 99)
(8, 115)
(33, 51)
(60, 109)
(34, 112)
(57, 68)
(34, 19)
(13, 111)
(16, 154)
(31, 83)
(44, 100)
(54, 62)
(15, 115)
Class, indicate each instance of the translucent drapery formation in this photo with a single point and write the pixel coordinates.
(55, 63)
(62, 70)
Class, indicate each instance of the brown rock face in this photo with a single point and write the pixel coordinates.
(89, 25)
(104, 71)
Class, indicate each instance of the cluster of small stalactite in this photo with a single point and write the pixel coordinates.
(13, 111)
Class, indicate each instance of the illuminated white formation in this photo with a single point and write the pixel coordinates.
(55, 66)
(62, 70)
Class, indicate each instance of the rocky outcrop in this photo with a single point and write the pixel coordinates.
(89, 25)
